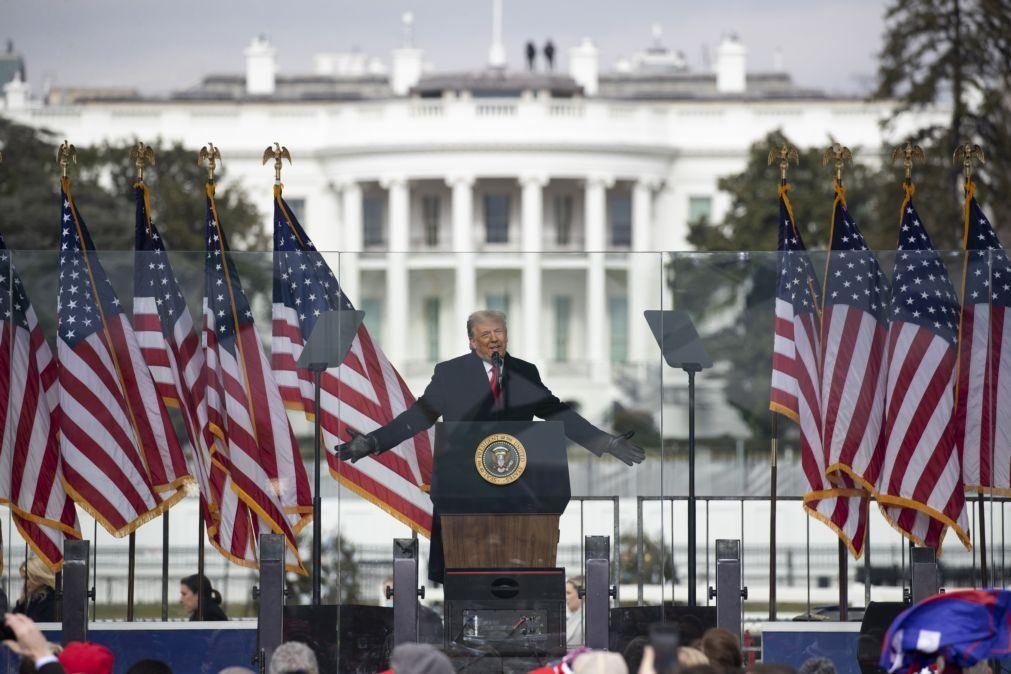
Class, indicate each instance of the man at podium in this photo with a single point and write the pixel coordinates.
(487, 384)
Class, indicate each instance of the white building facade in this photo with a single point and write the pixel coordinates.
(550, 196)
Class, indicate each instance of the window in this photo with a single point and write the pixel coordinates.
(619, 207)
(430, 219)
(617, 308)
(563, 319)
(497, 302)
(373, 215)
(700, 210)
(432, 328)
(297, 206)
(373, 309)
(496, 218)
(563, 219)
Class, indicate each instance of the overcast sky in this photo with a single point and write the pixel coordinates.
(162, 45)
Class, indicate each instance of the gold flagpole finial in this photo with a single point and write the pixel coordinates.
(212, 156)
(968, 155)
(64, 156)
(141, 155)
(277, 153)
(908, 153)
(839, 155)
(784, 154)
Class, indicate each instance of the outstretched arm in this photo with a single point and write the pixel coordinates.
(415, 419)
(581, 431)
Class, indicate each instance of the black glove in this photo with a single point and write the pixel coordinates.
(626, 451)
(358, 447)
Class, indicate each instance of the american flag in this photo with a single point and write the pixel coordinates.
(920, 485)
(854, 327)
(119, 449)
(30, 471)
(245, 409)
(796, 389)
(172, 351)
(984, 370)
(364, 393)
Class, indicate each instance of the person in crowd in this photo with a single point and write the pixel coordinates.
(84, 657)
(770, 668)
(291, 657)
(191, 588)
(599, 662)
(633, 652)
(723, 650)
(412, 658)
(385, 599)
(817, 666)
(149, 666)
(573, 612)
(38, 594)
(30, 645)
(487, 384)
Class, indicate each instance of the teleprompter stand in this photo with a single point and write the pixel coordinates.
(681, 348)
(328, 345)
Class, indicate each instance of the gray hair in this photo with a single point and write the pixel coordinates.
(411, 658)
(484, 316)
(817, 666)
(293, 656)
(236, 670)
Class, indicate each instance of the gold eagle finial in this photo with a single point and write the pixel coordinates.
(211, 155)
(67, 154)
(968, 155)
(141, 155)
(784, 154)
(839, 155)
(277, 153)
(909, 153)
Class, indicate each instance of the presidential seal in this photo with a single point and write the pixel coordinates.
(500, 458)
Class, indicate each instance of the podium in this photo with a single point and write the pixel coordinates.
(499, 488)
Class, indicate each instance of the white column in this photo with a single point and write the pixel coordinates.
(397, 309)
(532, 226)
(463, 249)
(596, 290)
(352, 240)
(643, 271)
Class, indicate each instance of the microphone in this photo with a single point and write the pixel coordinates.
(496, 360)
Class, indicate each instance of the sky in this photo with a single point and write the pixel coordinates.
(159, 46)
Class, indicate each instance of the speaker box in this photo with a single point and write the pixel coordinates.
(629, 622)
(514, 612)
(361, 645)
(877, 618)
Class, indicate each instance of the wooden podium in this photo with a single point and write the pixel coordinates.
(500, 488)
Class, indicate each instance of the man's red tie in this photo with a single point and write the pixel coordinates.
(496, 390)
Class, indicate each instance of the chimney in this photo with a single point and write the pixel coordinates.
(261, 67)
(407, 60)
(497, 52)
(583, 66)
(730, 66)
(16, 93)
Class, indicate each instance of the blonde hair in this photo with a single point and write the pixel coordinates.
(485, 316)
(38, 573)
(690, 657)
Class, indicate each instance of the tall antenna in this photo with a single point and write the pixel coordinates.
(497, 53)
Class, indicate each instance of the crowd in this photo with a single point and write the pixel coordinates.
(717, 652)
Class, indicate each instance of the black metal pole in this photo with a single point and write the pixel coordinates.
(691, 485)
(844, 582)
(200, 567)
(317, 504)
(165, 562)
(983, 566)
(131, 566)
(772, 515)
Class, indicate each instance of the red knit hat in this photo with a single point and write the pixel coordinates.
(84, 657)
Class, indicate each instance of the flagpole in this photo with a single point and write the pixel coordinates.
(131, 567)
(783, 154)
(968, 154)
